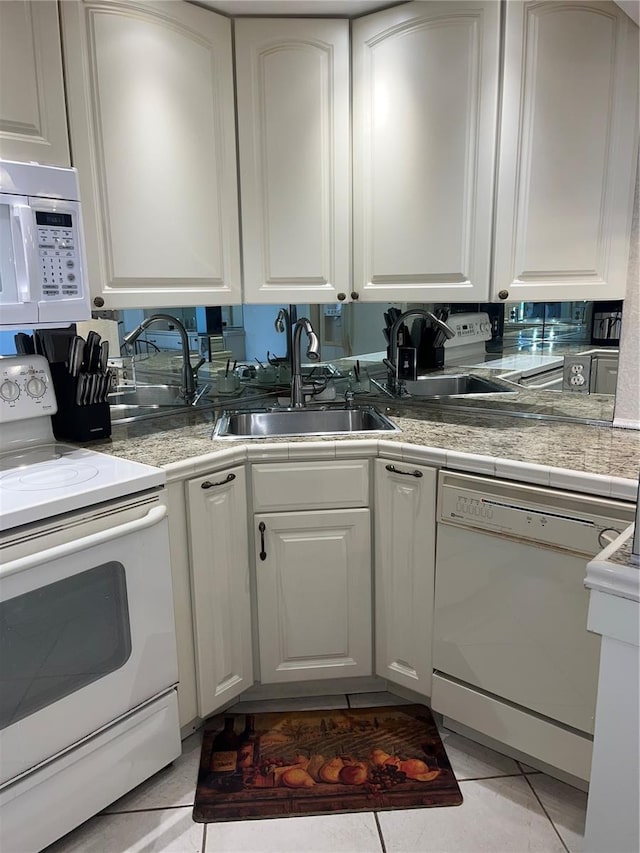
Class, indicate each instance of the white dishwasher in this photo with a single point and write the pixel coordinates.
(513, 659)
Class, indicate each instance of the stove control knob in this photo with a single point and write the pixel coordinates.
(9, 391)
(35, 387)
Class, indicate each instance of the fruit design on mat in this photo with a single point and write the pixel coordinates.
(296, 777)
(416, 769)
(330, 770)
(353, 773)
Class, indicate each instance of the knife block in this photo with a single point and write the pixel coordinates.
(73, 422)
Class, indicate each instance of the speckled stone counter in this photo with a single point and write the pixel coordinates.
(564, 455)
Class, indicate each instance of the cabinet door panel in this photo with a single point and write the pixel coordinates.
(425, 105)
(314, 595)
(220, 586)
(293, 121)
(310, 485)
(568, 147)
(33, 119)
(405, 536)
(152, 126)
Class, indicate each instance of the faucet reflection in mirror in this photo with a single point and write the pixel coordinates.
(188, 387)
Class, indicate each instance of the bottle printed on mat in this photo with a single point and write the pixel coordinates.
(224, 750)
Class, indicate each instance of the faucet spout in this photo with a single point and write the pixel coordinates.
(313, 354)
(188, 387)
(442, 327)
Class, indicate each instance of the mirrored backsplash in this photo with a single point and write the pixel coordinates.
(356, 329)
(528, 338)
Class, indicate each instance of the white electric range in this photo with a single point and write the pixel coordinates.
(88, 663)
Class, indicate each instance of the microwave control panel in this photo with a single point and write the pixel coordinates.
(58, 246)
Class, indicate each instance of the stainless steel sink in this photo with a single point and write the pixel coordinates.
(151, 401)
(455, 385)
(272, 423)
(155, 396)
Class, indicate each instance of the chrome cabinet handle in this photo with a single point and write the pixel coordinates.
(262, 527)
(395, 470)
(208, 485)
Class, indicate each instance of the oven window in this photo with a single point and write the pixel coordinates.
(61, 637)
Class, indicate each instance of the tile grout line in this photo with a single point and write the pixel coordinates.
(148, 809)
(380, 835)
(484, 778)
(555, 829)
(525, 772)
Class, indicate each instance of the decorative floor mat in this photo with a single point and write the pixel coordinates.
(322, 762)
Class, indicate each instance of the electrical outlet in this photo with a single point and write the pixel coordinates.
(576, 375)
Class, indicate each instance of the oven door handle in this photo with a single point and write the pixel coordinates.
(154, 516)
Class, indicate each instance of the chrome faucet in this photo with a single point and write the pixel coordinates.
(445, 332)
(189, 373)
(283, 323)
(313, 354)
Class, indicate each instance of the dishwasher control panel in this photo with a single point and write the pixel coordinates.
(538, 515)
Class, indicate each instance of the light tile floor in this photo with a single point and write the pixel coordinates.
(507, 808)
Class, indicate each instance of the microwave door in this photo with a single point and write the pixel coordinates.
(18, 306)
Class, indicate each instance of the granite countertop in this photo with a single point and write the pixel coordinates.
(571, 447)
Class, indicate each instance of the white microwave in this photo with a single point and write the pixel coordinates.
(42, 258)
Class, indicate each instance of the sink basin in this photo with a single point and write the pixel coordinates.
(454, 385)
(271, 423)
(151, 401)
(156, 396)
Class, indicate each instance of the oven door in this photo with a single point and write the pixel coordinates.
(86, 633)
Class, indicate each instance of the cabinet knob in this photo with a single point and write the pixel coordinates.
(342, 297)
(503, 294)
(355, 295)
(208, 485)
(98, 302)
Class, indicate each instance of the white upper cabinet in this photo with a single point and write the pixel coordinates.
(568, 147)
(33, 120)
(293, 128)
(425, 94)
(151, 115)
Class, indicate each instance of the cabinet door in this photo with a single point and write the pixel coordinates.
(568, 148)
(152, 129)
(293, 127)
(314, 594)
(425, 78)
(220, 587)
(405, 536)
(33, 118)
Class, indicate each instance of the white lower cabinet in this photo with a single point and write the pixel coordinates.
(405, 536)
(220, 587)
(313, 573)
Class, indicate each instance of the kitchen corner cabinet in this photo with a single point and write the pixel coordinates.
(152, 127)
(568, 149)
(313, 569)
(405, 537)
(220, 587)
(33, 119)
(425, 100)
(293, 129)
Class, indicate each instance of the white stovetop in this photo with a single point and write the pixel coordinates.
(51, 479)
